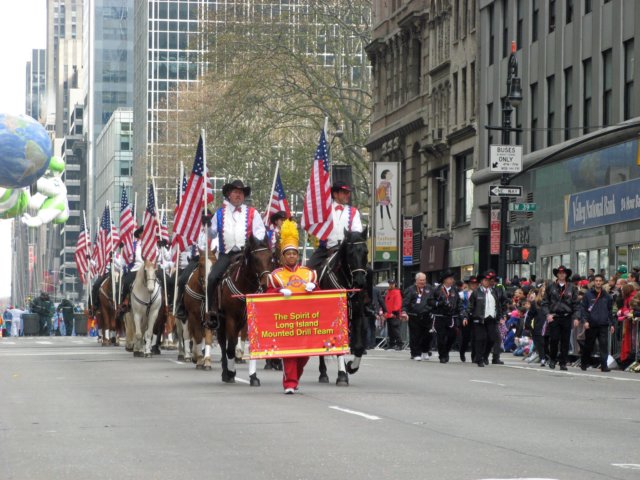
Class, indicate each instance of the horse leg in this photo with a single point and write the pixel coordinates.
(180, 333)
(254, 381)
(343, 378)
(222, 341)
(358, 335)
(129, 328)
(138, 347)
(229, 375)
(208, 340)
(148, 337)
(186, 342)
(323, 378)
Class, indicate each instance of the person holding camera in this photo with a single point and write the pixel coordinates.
(446, 307)
(415, 308)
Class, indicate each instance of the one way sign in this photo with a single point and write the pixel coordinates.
(505, 191)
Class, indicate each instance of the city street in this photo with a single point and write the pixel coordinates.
(72, 409)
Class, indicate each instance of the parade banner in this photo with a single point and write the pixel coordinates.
(385, 213)
(306, 324)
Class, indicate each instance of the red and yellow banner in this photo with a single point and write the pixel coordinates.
(300, 325)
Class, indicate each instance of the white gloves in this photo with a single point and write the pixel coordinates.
(286, 292)
(310, 287)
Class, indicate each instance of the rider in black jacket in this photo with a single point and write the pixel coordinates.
(447, 311)
(560, 305)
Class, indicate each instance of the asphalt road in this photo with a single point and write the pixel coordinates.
(72, 409)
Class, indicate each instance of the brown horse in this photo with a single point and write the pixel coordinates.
(194, 304)
(106, 314)
(247, 274)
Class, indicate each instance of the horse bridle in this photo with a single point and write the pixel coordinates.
(265, 272)
(355, 270)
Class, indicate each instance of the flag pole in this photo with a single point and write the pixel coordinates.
(164, 277)
(88, 243)
(206, 229)
(113, 250)
(177, 269)
(273, 187)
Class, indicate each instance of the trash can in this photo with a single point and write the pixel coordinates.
(31, 324)
(80, 321)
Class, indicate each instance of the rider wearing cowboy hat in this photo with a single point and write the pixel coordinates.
(233, 224)
(291, 278)
(345, 218)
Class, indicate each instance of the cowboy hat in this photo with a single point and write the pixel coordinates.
(236, 184)
(562, 268)
(446, 274)
(340, 186)
(488, 274)
(277, 216)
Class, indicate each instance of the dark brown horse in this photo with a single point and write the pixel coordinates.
(247, 274)
(106, 314)
(194, 304)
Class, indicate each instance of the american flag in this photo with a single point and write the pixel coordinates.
(104, 241)
(316, 215)
(278, 201)
(95, 255)
(150, 231)
(184, 188)
(127, 227)
(164, 230)
(83, 247)
(188, 222)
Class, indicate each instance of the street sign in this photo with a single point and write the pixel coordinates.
(506, 158)
(523, 207)
(505, 191)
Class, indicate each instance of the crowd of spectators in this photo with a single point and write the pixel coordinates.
(54, 318)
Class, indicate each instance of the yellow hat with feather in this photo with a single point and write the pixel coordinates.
(289, 237)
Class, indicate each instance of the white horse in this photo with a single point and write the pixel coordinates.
(145, 305)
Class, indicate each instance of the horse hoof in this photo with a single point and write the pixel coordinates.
(323, 378)
(188, 360)
(155, 350)
(254, 381)
(128, 349)
(199, 366)
(342, 380)
(351, 370)
(137, 354)
(147, 355)
(181, 358)
(207, 368)
(228, 377)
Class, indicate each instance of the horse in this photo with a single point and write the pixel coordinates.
(346, 269)
(145, 304)
(106, 313)
(247, 274)
(194, 304)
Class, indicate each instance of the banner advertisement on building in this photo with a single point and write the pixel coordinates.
(300, 325)
(385, 212)
(495, 231)
(407, 241)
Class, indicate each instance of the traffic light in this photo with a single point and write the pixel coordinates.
(521, 254)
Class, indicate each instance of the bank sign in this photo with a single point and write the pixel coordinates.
(602, 206)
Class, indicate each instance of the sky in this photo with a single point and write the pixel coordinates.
(23, 27)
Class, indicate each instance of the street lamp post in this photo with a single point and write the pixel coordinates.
(513, 99)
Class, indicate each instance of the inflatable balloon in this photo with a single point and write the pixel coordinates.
(13, 203)
(25, 150)
(51, 199)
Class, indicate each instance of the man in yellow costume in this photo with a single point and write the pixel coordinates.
(291, 278)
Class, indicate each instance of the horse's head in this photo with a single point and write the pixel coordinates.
(150, 275)
(355, 257)
(259, 258)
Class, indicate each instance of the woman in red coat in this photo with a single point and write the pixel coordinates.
(393, 302)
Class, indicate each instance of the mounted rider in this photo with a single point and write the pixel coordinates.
(131, 268)
(232, 224)
(345, 218)
(273, 230)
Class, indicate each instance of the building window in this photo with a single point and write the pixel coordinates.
(441, 201)
(472, 72)
(607, 88)
(569, 11)
(490, 123)
(520, 24)
(552, 16)
(505, 30)
(586, 92)
(568, 102)
(472, 15)
(455, 98)
(416, 174)
(534, 20)
(587, 6)
(464, 94)
(628, 79)
(491, 34)
(456, 20)
(550, 108)
(464, 17)
(534, 115)
(464, 187)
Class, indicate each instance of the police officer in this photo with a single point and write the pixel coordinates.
(447, 312)
(560, 305)
(415, 307)
(483, 314)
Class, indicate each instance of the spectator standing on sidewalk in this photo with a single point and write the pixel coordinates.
(66, 307)
(43, 307)
(393, 305)
(596, 315)
(415, 308)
